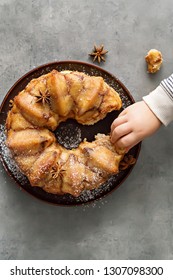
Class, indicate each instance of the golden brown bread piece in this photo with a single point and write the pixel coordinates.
(154, 60)
(35, 113)
(39, 108)
(42, 166)
(16, 121)
(29, 141)
(73, 95)
(61, 101)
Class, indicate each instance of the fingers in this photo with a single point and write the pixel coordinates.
(118, 121)
(120, 131)
(123, 113)
(128, 141)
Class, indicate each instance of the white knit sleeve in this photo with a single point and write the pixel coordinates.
(160, 101)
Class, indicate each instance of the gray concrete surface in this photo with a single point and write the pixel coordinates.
(136, 221)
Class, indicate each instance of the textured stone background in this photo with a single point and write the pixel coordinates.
(136, 221)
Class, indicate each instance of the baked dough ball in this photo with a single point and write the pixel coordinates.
(154, 60)
(39, 109)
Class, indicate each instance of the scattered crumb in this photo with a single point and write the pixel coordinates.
(154, 60)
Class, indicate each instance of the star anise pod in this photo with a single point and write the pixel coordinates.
(98, 53)
(56, 171)
(43, 97)
(127, 161)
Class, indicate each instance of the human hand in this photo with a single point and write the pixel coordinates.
(133, 124)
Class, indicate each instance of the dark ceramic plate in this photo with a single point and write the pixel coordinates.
(68, 133)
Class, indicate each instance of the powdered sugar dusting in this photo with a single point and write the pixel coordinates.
(8, 159)
(69, 136)
(88, 195)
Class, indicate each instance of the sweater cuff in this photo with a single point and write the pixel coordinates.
(160, 104)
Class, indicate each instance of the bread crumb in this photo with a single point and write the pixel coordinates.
(154, 60)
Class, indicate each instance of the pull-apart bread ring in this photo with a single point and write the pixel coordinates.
(39, 109)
